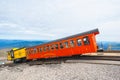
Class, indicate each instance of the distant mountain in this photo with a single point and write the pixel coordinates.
(105, 45)
(19, 43)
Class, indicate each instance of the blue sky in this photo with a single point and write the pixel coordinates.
(53, 19)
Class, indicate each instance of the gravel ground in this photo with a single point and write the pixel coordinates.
(64, 71)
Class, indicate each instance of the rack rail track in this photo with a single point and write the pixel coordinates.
(108, 60)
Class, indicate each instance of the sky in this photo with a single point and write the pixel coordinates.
(54, 19)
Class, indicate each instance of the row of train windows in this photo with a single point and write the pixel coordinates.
(62, 45)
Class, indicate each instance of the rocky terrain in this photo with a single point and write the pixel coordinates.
(3, 52)
(64, 71)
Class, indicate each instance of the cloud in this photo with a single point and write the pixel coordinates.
(110, 31)
(45, 19)
(8, 24)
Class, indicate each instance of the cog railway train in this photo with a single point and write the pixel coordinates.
(78, 44)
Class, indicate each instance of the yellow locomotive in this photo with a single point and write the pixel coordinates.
(17, 55)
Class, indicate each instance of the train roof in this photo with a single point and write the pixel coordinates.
(17, 49)
(95, 31)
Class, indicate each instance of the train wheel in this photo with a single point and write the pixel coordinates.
(23, 60)
(15, 61)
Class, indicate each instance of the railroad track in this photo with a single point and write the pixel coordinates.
(108, 60)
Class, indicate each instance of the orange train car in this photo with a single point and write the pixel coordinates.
(73, 45)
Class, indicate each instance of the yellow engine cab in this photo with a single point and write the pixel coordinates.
(17, 55)
(9, 55)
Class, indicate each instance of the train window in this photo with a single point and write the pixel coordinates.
(52, 47)
(48, 48)
(79, 42)
(71, 43)
(29, 52)
(66, 44)
(35, 50)
(61, 45)
(44, 48)
(32, 51)
(86, 40)
(56, 46)
(40, 49)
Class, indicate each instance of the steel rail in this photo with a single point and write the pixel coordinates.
(73, 59)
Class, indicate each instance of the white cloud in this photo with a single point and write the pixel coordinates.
(52, 19)
(110, 31)
(8, 24)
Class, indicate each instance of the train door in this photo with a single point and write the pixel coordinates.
(86, 42)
